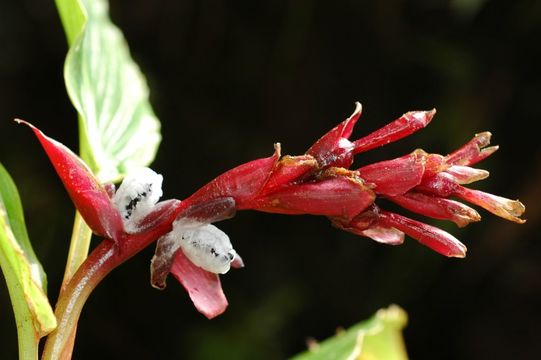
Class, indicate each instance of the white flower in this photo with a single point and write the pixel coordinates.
(203, 244)
(137, 195)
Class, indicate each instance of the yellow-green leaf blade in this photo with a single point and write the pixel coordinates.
(379, 337)
(22, 271)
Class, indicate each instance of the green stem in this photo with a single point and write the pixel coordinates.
(79, 245)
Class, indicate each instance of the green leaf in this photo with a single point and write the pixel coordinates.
(378, 338)
(117, 126)
(73, 17)
(24, 275)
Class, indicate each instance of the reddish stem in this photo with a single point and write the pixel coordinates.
(68, 308)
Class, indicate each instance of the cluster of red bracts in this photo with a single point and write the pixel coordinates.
(317, 183)
(321, 183)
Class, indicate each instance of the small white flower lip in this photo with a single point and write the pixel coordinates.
(207, 247)
(137, 196)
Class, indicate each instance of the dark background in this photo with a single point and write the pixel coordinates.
(230, 78)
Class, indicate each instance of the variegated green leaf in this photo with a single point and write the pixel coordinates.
(118, 128)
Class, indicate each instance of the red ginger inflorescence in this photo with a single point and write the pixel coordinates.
(320, 182)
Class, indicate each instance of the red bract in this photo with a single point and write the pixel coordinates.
(320, 182)
(203, 287)
(90, 198)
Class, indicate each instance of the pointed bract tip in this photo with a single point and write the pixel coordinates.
(358, 108)
(483, 138)
(461, 254)
(278, 149)
(454, 248)
(487, 151)
(24, 122)
(237, 262)
(420, 119)
(430, 114)
(352, 119)
(515, 209)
